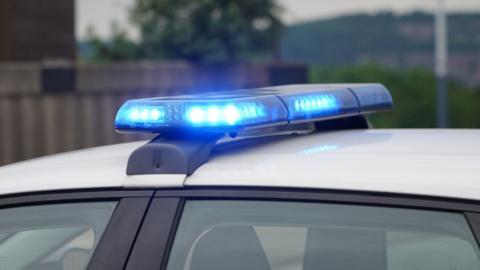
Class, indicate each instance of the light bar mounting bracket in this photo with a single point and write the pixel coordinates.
(172, 154)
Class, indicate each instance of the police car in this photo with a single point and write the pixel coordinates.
(277, 178)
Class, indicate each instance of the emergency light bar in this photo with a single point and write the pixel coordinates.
(253, 108)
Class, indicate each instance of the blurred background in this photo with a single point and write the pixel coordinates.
(67, 65)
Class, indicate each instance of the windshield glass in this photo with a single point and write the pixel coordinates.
(290, 236)
(60, 236)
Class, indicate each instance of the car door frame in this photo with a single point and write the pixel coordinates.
(117, 240)
(152, 248)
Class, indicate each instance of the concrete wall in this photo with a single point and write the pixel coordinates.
(40, 114)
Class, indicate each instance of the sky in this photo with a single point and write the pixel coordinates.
(101, 13)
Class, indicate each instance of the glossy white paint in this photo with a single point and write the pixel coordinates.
(424, 162)
(152, 180)
(100, 167)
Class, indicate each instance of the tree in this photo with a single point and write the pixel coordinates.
(117, 47)
(207, 30)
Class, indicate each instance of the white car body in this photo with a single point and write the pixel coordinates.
(441, 163)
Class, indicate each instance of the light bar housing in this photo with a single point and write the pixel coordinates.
(241, 110)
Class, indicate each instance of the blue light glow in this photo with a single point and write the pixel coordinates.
(319, 149)
(318, 103)
(144, 114)
(196, 115)
(213, 115)
(229, 114)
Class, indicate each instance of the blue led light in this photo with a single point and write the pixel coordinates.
(145, 115)
(232, 114)
(254, 108)
(228, 115)
(223, 114)
(196, 115)
(321, 104)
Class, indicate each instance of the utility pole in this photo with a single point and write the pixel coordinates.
(441, 64)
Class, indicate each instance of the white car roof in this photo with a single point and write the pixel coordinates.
(442, 163)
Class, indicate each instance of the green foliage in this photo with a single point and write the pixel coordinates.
(413, 93)
(464, 106)
(206, 30)
(118, 47)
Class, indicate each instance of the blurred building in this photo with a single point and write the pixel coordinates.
(35, 30)
(54, 106)
(43, 110)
